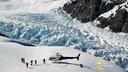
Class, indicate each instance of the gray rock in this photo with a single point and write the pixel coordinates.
(89, 10)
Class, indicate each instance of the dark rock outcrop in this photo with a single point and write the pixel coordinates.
(89, 10)
(117, 23)
(120, 1)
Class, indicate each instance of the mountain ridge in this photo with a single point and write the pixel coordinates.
(90, 10)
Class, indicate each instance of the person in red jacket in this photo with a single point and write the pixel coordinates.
(26, 65)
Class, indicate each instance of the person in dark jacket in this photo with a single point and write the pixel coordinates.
(23, 60)
(81, 65)
(31, 62)
(44, 61)
(35, 62)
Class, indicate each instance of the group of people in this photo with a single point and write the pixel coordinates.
(58, 57)
(32, 62)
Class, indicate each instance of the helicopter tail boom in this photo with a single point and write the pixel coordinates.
(78, 56)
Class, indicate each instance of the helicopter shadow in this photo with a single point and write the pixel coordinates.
(80, 65)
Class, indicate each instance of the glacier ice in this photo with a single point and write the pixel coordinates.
(43, 29)
(56, 28)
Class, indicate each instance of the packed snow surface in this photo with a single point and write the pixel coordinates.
(11, 53)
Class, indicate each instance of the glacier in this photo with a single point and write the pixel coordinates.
(53, 27)
(43, 29)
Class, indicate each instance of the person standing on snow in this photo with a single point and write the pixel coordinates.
(31, 62)
(81, 65)
(44, 61)
(26, 65)
(23, 60)
(35, 62)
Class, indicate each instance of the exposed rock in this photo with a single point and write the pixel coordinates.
(118, 23)
(120, 1)
(104, 22)
(88, 10)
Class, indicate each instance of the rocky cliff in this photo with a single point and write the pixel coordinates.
(90, 10)
(117, 21)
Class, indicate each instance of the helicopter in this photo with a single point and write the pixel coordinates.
(59, 57)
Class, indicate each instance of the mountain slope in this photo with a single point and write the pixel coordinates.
(110, 13)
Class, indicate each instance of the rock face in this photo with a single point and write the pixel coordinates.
(89, 10)
(117, 22)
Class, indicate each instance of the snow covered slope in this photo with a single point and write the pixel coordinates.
(10, 54)
(30, 6)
